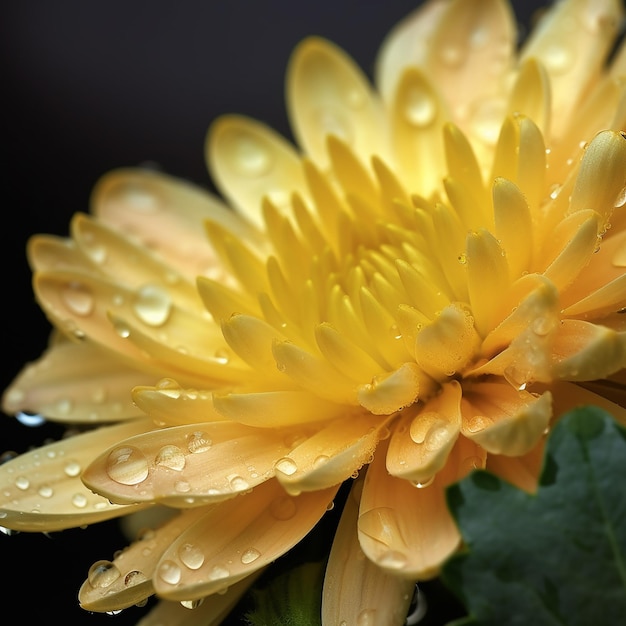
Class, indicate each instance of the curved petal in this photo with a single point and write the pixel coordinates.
(191, 465)
(503, 419)
(249, 161)
(76, 382)
(42, 489)
(327, 94)
(355, 589)
(237, 538)
(405, 530)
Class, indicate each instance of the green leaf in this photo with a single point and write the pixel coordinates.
(557, 557)
(291, 599)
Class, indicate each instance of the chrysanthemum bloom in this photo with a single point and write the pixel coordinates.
(423, 286)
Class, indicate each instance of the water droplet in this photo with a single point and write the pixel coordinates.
(320, 460)
(222, 356)
(170, 572)
(249, 157)
(393, 559)
(21, 482)
(218, 572)
(79, 500)
(250, 555)
(45, 491)
(420, 107)
(367, 617)
(621, 199)
(28, 419)
(191, 604)
(182, 486)
(198, 442)
(152, 305)
(558, 58)
(191, 556)
(171, 457)
(286, 466)
(78, 298)
(127, 465)
(476, 423)
(102, 574)
(425, 482)
(283, 508)
(238, 483)
(134, 577)
(169, 387)
(122, 329)
(462, 258)
(72, 469)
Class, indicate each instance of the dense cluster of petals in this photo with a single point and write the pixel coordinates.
(420, 289)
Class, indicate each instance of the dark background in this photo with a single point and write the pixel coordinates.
(90, 86)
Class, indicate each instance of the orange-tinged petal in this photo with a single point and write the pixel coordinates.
(331, 455)
(237, 538)
(355, 589)
(250, 161)
(521, 471)
(503, 419)
(421, 441)
(42, 489)
(76, 382)
(405, 530)
(191, 465)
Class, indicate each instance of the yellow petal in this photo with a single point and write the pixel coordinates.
(404, 530)
(355, 589)
(237, 538)
(446, 346)
(391, 392)
(191, 465)
(249, 161)
(42, 489)
(421, 440)
(504, 420)
(74, 382)
(272, 409)
(327, 94)
(585, 351)
(521, 471)
(531, 94)
(332, 454)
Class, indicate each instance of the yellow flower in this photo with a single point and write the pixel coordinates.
(432, 279)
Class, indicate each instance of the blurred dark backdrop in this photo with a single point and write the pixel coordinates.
(90, 86)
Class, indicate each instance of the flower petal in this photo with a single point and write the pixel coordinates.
(332, 454)
(191, 465)
(421, 441)
(237, 538)
(327, 94)
(503, 419)
(391, 392)
(355, 589)
(42, 489)
(407, 531)
(249, 161)
(76, 382)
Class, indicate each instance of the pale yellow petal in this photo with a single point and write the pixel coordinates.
(49, 252)
(531, 94)
(421, 440)
(249, 161)
(328, 94)
(191, 465)
(76, 382)
(355, 589)
(237, 538)
(392, 392)
(332, 454)
(42, 489)
(503, 419)
(405, 530)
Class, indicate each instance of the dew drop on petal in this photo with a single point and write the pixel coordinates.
(72, 469)
(250, 555)
(420, 108)
(286, 466)
(21, 482)
(134, 577)
(198, 441)
(422, 484)
(249, 157)
(127, 465)
(171, 457)
(152, 305)
(102, 574)
(191, 556)
(558, 58)
(191, 604)
(78, 298)
(218, 572)
(169, 572)
(79, 500)
(283, 508)
(393, 559)
(621, 199)
(366, 617)
(238, 483)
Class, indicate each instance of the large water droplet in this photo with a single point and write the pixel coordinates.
(367, 617)
(286, 466)
(127, 465)
(198, 441)
(250, 158)
(238, 483)
(78, 298)
(152, 305)
(134, 577)
(393, 559)
(218, 572)
(171, 457)
(250, 555)
(558, 57)
(102, 574)
(420, 107)
(191, 556)
(72, 469)
(79, 500)
(170, 572)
